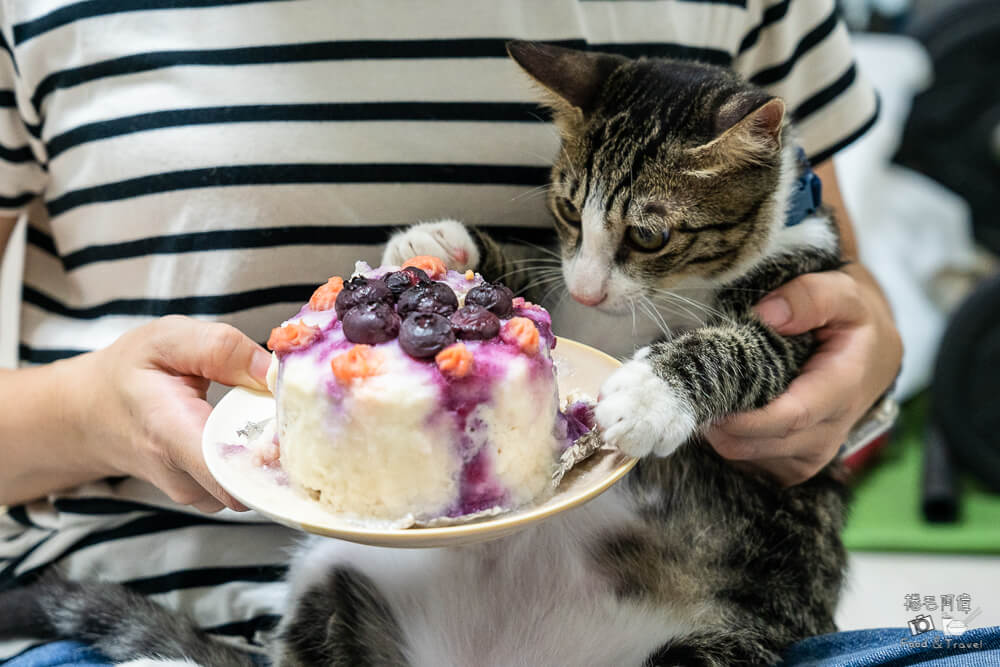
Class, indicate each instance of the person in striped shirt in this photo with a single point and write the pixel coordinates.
(217, 159)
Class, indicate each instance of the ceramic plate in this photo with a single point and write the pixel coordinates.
(581, 368)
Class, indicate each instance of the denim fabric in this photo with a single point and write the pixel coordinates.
(979, 647)
(75, 654)
(888, 647)
(57, 654)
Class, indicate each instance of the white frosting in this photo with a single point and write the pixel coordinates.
(520, 420)
(377, 453)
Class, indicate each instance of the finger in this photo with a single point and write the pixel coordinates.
(826, 390)
(182, 488)
(819, 443)
(211, 350)
(185, 452)
(210, 506)
(812, 301)
(196, 468)
(785, 471)
(778, 419)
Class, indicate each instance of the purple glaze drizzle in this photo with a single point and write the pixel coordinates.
(580, 419)
(228, 449)
(478, 488)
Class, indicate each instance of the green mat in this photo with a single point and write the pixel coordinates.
(886, 514)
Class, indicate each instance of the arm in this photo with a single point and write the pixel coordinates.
(36, 451)
(858, 357)
(662, 397)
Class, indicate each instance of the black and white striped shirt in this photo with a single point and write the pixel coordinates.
(220, 158)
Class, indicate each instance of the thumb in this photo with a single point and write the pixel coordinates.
(211, 350)
(812, 301)
(185, 447)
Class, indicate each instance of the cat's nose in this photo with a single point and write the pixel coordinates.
(590, 299)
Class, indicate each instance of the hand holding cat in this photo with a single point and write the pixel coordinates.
(146, 408)
(857, 359)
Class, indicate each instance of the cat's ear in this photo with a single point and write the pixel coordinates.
(573, 77)
(749, 131)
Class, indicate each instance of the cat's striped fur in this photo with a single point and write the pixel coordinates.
(688, 561)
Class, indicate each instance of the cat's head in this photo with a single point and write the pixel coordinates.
(670, 172)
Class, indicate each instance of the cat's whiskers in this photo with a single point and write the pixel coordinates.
(542, 249)
(645, 309)
(547, 281)
(678, 307)
(533, 192)
(534, 259)
(631, 305)
(558, 285)
(540, 269)
(664, 295)
(650, 308)
(720, 289)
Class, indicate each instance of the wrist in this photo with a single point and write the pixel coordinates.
(43, 441)
(77, 393)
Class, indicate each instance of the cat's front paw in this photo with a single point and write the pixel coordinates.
(640, 414)
(447, 239)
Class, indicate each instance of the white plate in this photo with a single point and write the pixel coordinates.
(581, 368)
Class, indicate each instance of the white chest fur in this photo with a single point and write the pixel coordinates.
(534, 598)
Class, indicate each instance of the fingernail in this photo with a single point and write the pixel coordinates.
(258, 367)
(774, 310)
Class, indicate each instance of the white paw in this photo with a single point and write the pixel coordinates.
(447, 239)
(641, 414)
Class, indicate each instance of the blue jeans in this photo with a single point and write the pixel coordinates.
(69, 653)
(979, 647)
(893, 647)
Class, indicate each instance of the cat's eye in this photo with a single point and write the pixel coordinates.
(568, 211)
(647, 240)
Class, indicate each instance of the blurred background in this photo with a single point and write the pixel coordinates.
(923, 188)
(924, 191)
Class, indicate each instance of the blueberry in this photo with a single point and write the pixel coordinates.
(431, 297)
(371, 323)
(402, 280)
(423, 335)
(475, 322)
(495, 297)
(360, 290)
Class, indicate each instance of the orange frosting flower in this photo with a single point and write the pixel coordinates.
(430, 265)
(326, 295)
(455, 360)
(292, 337)
(360, 361)
(522, 332)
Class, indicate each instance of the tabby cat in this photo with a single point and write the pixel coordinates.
(673, 179)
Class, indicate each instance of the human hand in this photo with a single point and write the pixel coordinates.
(858, 356)
(144, 410)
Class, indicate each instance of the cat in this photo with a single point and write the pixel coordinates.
(673, 178)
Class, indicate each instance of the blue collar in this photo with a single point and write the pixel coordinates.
(807, 193)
